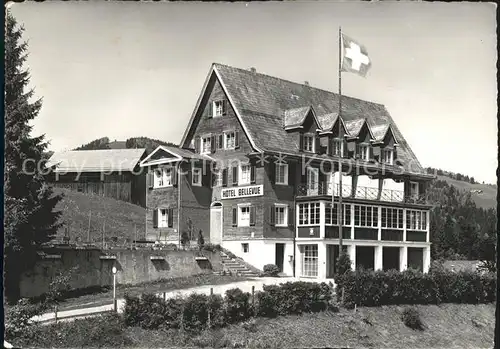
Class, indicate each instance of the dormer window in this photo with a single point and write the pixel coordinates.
(219, 108)
(388, 156)
(338, 147)
(309, 143)
(364, 152)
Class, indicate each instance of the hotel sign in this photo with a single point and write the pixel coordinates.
(242, 192)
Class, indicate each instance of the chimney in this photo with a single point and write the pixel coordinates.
(306, 83)
(253, 70)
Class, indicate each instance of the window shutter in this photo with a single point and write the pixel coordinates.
(210, 110)
(235, 216)
(301, 141)
(151, 179)
(213, 177)
(291, 217)
(173, 173)
(272, 215)
(155, 218)
(317, 146)
(224, 107)
(252, 215)
(394, 152)
(346, 149)
(224, 177)
(205, 177)
(371, 152)
(272, 172)
(170, 217)
(234, 172)
(329, 146)
(357, 151)
(252, 174)
(212, 143)
(237, 139)
(291, 173)
(220, 143)
(197, 144)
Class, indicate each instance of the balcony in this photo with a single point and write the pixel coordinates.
(363, 193)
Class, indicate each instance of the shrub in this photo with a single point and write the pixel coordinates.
(375, 288)
(216, 309)
(17, 317)
(271, 270)
(293, 298)
(195, 315)
(411, 318)
(152, 312)
(173, 312)
(343, 264)
(237, 305)
(102, 331)
(211, 247)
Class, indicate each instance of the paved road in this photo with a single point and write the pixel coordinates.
(245, 286)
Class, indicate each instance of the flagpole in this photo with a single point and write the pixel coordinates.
(341, 140)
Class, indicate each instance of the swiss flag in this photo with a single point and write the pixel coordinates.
(355, 57)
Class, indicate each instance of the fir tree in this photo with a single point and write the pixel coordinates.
(30, 219)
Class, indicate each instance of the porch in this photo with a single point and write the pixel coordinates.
(317, 259)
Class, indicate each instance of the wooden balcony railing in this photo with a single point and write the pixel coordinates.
(365, 193)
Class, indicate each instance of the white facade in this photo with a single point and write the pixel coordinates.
(260, 252)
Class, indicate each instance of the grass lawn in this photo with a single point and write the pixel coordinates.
(106, 297)
(446, 326)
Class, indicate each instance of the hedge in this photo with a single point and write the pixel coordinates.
(198, 312)
(375, 288)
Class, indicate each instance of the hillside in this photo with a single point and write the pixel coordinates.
(483, 195)
(118, 219)
(134, 142)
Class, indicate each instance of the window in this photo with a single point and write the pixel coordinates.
(163, 221)
(219, 108)
(229, 140)
(309, 143)
(197, 176)
(309, 260)
(206, 145)
(364, 151)
(244, 216)
(365, 216)
(416, 220)
(281, 173)
(281, 215)
(245, 248)
(392, 218)
(245, 174)
(163, 178)
(413, 189)
(309, 213)
(217, 178)
(388, 156)
(332, 214)
(338, 147)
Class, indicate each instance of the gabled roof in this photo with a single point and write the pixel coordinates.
(105, 160)
(295, 117)
(174, 154)
(380, 132)
(260, 101)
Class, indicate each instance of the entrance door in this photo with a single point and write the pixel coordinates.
(312, 181)
(216, 224)
(280, 256)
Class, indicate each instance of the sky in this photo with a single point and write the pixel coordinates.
(127, 69)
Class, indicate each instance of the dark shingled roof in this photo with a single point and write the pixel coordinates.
(263, 101)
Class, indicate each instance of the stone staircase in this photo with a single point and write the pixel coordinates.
(236, 267)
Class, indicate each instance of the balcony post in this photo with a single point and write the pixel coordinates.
(352, 220)
(297, 215)
(427, 233)
(322, 219)
(403, 258)
(404, 224)
(379, 223)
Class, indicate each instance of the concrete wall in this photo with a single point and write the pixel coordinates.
(133, 267)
